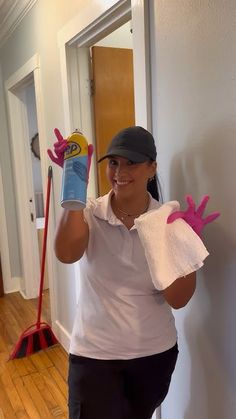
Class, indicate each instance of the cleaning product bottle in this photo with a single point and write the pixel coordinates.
(75, 173)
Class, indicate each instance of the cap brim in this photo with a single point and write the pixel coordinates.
(127, 154)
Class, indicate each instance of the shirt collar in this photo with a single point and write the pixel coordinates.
(102, 208)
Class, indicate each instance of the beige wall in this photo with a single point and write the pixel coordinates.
(194, 115)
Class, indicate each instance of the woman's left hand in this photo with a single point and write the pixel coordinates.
(194, 216)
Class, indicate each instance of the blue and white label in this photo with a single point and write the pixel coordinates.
(74, 183)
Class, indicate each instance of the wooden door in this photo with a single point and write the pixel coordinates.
(113, 100)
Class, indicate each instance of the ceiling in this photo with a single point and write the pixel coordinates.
(11, 13)
(6, 7)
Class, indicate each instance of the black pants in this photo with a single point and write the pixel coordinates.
(119, 389)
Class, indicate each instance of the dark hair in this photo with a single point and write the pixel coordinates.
(154, 188)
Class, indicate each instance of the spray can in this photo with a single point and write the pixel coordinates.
(75, 176)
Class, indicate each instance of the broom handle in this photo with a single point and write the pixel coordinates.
(44, 246)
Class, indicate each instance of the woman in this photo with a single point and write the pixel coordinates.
(124, 343)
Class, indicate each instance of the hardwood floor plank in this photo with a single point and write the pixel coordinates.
(54, 387)
(36, 396)
(33, 387)
(61, 366)
(20, 367)
(11, 368)
(62, 384)
(3, 361)
(60, 353)
(3, 346)
(5, 404)
(12, 394)
(29, 366)
(38, 361)
(46, 362)
(21, 415)
(45, 392)
(26, 399)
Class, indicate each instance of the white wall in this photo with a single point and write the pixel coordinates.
(194, 115)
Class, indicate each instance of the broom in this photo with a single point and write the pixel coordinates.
(39, 335)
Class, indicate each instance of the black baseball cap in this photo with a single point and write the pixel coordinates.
(134, 143)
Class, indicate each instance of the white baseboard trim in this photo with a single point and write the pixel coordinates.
(22, 293)
(12, 285)
(62, 335)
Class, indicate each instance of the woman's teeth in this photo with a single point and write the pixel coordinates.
(121, 183)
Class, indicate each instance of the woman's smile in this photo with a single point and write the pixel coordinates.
(119, 182)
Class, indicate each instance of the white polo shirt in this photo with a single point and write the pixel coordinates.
(120, 314)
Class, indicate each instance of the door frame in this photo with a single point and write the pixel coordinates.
(86, 29)
(81, 33)
(93, 28)
(23, 176)
(24, 187)
(5, 258)
(9, 283)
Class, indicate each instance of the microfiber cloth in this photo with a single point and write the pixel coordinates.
(172, 250)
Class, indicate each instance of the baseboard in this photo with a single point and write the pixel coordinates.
(62, 335)
(22, 293)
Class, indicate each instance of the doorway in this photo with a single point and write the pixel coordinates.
(104, 71)
(26, 126)
(75, 41)
(35, 157)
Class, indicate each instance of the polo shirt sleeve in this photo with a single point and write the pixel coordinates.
(88, 211)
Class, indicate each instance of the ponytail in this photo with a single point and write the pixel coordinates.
(154, 188)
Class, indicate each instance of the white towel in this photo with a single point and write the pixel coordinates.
(172, 250)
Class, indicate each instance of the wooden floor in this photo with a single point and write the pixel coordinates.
(32, 387)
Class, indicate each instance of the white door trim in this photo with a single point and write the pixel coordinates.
(9, 283)
(5, 259)
(29, 69)
(89, 18)
(84, 30)
(141, 57)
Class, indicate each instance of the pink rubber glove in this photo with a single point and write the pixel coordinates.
(59, 150)
(194, 216)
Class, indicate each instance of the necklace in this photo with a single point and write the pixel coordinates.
(126, 214)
